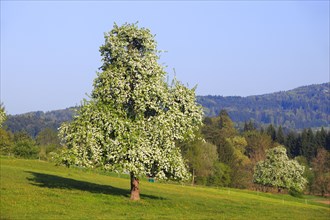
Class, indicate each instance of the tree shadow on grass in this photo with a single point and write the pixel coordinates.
(58, 182)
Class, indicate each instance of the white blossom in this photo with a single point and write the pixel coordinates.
(278, 171)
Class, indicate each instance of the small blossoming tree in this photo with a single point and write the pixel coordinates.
(277, 170)
(3, 116)
(134, 118)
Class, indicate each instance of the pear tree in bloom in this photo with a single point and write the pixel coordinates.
(277, 170)
(134, 117)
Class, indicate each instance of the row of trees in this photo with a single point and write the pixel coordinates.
(232, 158)
(21, 144)
(304, 143)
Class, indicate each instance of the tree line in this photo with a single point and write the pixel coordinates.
(22, 145)
(226, 157)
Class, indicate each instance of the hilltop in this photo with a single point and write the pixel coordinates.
(303, 107)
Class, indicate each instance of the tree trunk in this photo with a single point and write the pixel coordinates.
(135, 191)
(193, 177)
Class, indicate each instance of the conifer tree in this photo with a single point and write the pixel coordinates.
(271, 132)
(280, 138)
(321, 168)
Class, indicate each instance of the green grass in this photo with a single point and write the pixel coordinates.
(33, 189)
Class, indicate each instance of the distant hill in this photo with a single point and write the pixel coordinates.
(34, 122)
(303, 107)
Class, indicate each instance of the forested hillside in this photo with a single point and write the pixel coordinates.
(303, 107)
(34, 122)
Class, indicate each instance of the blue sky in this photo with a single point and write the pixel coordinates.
(50, 49)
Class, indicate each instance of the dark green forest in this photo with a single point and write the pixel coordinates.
(303, 107)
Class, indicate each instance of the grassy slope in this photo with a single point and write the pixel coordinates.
(39, 190)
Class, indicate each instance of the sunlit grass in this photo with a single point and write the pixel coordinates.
(39, 190)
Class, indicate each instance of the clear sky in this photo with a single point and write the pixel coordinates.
(50, 49)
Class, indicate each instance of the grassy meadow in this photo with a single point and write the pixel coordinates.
(32, 189)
